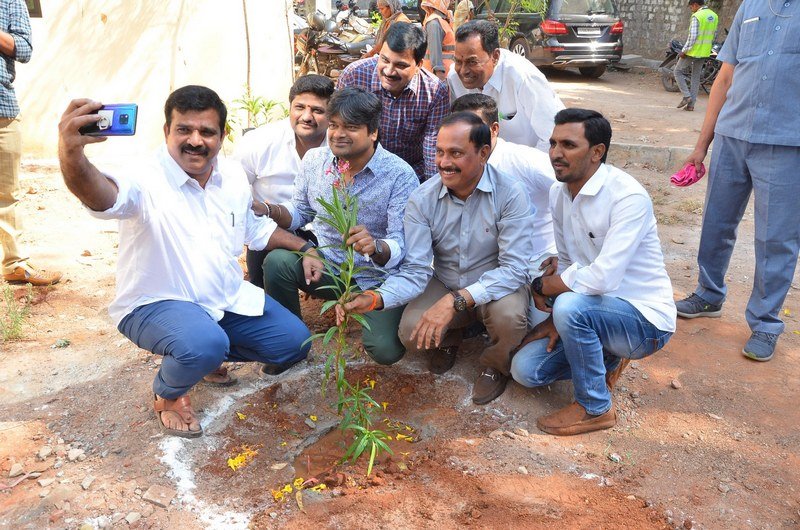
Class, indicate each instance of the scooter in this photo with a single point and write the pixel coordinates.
(321, 48)
(710, 67)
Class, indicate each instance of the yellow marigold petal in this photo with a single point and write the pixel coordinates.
(313, 418)
(384, 404)
(240, 415)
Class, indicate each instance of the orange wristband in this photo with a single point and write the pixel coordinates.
(374, 296)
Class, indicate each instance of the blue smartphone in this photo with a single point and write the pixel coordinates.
(117, 119)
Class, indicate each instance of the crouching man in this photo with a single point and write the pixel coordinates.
(474, 223)
(183, 222)
(613, 298)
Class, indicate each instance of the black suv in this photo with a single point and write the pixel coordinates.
(586, 34)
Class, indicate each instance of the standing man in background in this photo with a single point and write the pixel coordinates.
(753, 120)
(441, 38)
(702, 30)
(15, 46)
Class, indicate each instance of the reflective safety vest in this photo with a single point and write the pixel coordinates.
(707, 22)
(448, 44)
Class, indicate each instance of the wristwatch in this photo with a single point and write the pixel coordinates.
(459, 302)
(537, 285)
(308, 246)
(378, 249)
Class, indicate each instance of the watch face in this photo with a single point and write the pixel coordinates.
(460, 303)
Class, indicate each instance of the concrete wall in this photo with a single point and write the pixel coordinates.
(651, 24)
(125, 51)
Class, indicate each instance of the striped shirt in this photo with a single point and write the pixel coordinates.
(14, 21)
(410, 121)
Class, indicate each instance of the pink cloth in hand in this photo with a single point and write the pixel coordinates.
(688, 175)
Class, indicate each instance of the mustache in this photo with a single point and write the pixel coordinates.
(195, 150)
(452, 169)
(559, 161)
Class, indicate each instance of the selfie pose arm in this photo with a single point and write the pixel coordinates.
(83, 179)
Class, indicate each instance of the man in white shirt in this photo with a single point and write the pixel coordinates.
(271, 154)
(183, 222)
(532, 167)
(613, 298)
(525, 100)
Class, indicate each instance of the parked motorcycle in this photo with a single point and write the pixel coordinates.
(323, 48)
(710, 67)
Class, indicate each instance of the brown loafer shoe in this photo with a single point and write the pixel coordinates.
(36, 278)
(684, 102)
(689, 107)
(220, 377)
(268, 370)
(613, 376)
(440, 360)
(573, 419)
(490, 385)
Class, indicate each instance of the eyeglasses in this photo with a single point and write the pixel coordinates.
(471, 63)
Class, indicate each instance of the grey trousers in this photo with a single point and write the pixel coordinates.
(506, 322)
(772, 173)
(685, 67)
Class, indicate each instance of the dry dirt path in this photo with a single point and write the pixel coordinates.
(718, 451)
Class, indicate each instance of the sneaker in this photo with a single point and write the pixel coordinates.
(684, 102)
(761, 346)
(693, 306)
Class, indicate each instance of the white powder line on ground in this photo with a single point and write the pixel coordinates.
(177, 455)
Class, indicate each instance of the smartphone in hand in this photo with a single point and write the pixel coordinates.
(117, 119)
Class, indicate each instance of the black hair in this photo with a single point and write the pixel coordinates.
(698, 2)
(490, 40)
(479, 134)
(356, 106)
(319, 85)
(195, 98)
(486, 105)
(403, 36)
(596, 128)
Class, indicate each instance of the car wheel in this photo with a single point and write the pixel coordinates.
(668, 80)
(520, 47)
(592, 71)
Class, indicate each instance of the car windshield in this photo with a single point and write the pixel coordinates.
(583, 7)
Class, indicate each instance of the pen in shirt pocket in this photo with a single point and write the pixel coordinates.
(233, 220)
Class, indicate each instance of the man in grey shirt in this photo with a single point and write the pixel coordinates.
(753, 119)
(474, 223)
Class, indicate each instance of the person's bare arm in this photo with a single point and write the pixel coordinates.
(7, 45)
(719, 93)
(82, 178)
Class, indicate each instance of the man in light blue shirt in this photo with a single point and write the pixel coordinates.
(753, 119)
(474, 223)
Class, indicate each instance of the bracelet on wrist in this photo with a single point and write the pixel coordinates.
(269, 209)
(308, 246)
(374, 297)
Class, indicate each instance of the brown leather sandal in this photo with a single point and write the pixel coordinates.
(182, 408)
(220, 377)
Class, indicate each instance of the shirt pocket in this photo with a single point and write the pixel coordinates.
(750, 38)
(237, 233)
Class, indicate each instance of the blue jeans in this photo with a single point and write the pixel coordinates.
(772, 174)
(194, 344)
(595, 332)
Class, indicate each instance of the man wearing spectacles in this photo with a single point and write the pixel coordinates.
(525, 100)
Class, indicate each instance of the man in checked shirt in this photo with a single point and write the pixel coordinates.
(15, 46)
(414, 100)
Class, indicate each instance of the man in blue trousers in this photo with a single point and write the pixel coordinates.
(753, 119)
(184, 219)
